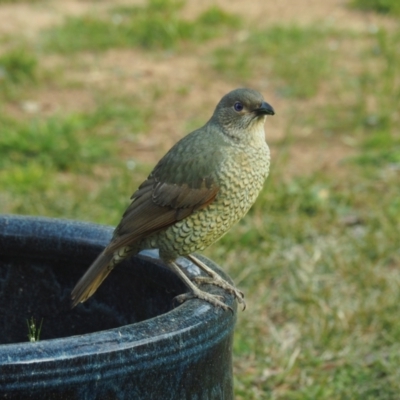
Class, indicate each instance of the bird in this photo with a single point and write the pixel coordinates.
(201, 187)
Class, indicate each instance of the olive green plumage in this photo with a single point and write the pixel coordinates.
(198, 190)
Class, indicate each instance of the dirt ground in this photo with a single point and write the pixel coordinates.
(140, 73)
(28, 18)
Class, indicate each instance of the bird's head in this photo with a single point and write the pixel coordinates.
(241, 112)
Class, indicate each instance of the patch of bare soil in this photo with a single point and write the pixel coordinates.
(27, 19)
(179, 87)
(49, 102)
(267, 13)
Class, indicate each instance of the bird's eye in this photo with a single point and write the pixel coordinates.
(238, 106)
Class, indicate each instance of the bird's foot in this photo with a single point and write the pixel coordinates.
(196, 293)
(216, 280)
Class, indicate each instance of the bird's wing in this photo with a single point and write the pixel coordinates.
(156, 206)
(175, 189)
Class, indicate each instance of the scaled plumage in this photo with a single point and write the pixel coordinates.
(197, 191)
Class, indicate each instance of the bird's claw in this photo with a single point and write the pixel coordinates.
(213, 299)
(217, 281)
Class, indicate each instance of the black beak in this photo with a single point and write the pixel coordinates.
(264, 109)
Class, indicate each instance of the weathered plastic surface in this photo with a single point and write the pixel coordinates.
(127, 342)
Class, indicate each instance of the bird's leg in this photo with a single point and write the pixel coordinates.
(195, 292)
(215, 279)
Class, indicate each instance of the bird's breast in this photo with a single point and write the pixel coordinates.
(240, 177)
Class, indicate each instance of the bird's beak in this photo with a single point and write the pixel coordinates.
(264, 109)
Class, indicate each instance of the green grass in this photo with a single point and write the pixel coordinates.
(34, 329)
(325, 292)
(382, 6)
(18, 68)
(318, 255)
(39, 158)
(319, 252)
(361, 98)
(156, 25)
(69, 143)
(55, 143)
(299, 58)
(380, 149)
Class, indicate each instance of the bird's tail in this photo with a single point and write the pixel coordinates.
(92, 279)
